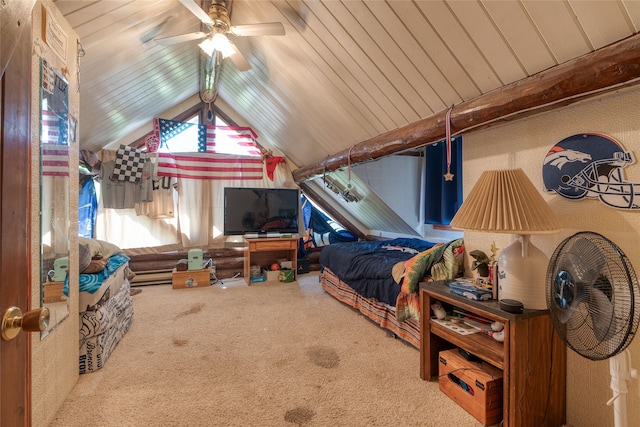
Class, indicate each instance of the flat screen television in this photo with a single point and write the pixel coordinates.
(260, 211)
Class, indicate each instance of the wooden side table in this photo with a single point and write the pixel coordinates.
(532, 357)
(53, 292)
(264, 251)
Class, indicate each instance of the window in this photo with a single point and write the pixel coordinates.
(185, 136)
(179, 137)
(192, 137)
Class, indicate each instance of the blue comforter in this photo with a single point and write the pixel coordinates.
(92, 282)
(367, 266)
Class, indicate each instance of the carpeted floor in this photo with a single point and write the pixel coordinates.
(270, 354)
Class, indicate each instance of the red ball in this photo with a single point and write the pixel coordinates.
(275, 267)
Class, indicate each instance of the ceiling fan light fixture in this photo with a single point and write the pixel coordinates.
(207, 46)
(219, 42)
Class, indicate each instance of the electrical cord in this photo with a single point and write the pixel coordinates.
(235, 276)
(212, 275)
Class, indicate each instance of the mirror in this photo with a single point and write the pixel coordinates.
(54, 193)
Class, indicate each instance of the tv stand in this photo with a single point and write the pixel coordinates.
(264, 251)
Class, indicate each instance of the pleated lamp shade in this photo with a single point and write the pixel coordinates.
(505, 201)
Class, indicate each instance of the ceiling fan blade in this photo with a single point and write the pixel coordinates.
(197, 10)
(166, 41)
(238, 59)
(265, 29)
(150, 35)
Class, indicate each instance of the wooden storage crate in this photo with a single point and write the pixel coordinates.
(476, 386)
(191, 278)
(53, 292)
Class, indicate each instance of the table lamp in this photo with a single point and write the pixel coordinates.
(505, 201)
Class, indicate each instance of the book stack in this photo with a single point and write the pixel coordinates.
(471, 289)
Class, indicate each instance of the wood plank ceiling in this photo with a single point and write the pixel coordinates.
(345, 71)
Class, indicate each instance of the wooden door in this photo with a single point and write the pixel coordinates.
(15, 214)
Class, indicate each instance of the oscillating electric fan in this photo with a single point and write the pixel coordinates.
(591, 291)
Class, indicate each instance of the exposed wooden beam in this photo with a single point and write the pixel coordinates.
(605, 69)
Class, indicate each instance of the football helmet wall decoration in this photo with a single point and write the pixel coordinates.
(590, 165)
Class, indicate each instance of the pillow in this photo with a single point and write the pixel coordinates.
(84, 257)
(398, 272)
(100, 247)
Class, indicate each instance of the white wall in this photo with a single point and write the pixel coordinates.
(524, 144)
(399, 182)
(385, 176)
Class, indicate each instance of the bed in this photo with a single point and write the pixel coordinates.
(106, 307)
(381, 278)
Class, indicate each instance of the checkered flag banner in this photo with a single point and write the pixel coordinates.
(129, 164)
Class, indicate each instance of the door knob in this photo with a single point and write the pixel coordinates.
(32, 321)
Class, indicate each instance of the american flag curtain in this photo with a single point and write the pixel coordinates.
(209, 166)
(54, 156)
(55, 160)
(54, 129)
(223, 152)
(232, 140)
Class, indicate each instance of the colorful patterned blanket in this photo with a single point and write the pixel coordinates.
(441, 262)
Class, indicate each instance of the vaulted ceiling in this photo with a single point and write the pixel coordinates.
(344, 72)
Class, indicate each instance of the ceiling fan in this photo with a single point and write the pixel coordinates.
(218, 22)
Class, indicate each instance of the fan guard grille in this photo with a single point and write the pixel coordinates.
(591, 290)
